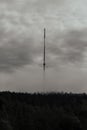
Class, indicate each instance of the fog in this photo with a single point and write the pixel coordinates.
(30, 79)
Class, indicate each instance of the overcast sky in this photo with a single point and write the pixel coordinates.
(21, 45)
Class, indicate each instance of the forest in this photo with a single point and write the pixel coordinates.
(43, 111)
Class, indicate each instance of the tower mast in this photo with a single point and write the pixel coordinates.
(44, 56)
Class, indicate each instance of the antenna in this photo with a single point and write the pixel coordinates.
(44, 62)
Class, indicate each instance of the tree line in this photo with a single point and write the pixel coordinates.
(45, 111)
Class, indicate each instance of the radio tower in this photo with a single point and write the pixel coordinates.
(44, 62)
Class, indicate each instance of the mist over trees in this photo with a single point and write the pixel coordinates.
(54, 111)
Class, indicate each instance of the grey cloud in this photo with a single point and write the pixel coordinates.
(50, 2)
(68, 48)
(16, 41)
(39, 6)
(14, 55)
(42, 6)
(16, 44)
(75, 43)
(18, 52)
